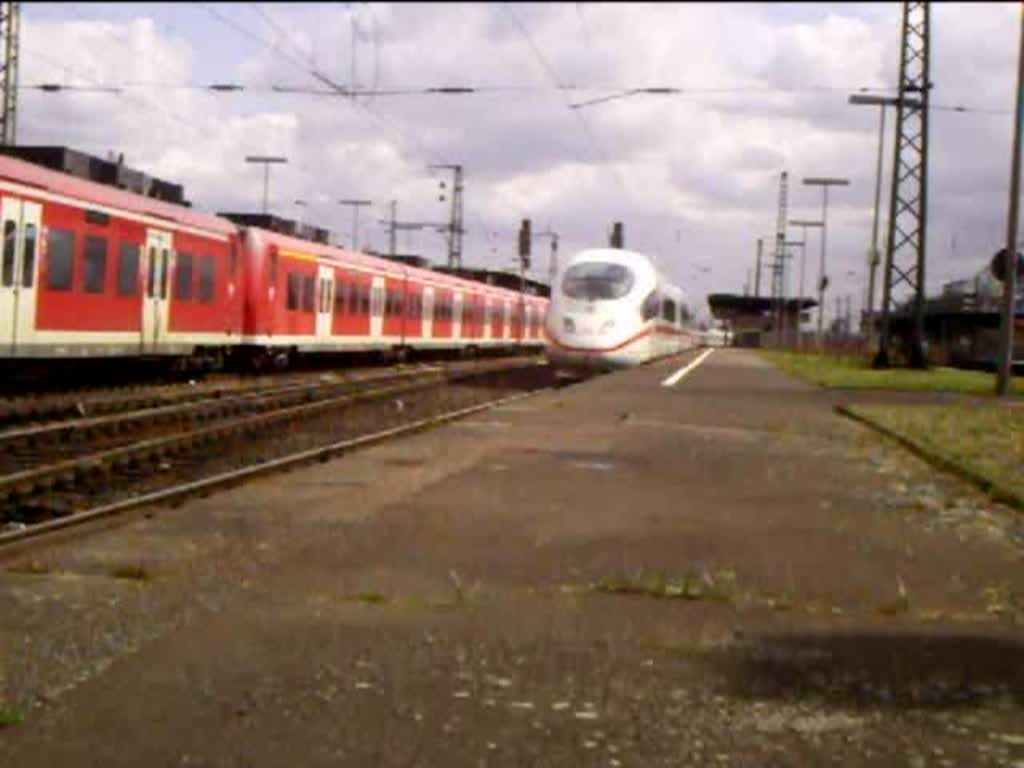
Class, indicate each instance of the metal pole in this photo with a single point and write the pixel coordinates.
(266, 184)
(800, 296)
(821, 269)
(757, 278)
(266, 161)
(1004, 380)
(394, 206)
(873, 257)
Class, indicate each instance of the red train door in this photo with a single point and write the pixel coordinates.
(155, 302)
(18, 271)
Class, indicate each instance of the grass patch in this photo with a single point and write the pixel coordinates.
(10, 717)
(857, 373)
(132, 573)
(984, 442)
(693, 585)
(32, 567)
(370, 598)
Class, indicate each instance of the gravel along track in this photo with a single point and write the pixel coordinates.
(187, 448)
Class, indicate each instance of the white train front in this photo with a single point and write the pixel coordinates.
(611, 309)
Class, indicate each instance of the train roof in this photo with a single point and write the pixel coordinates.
(67, 187)
(302, 247)
(60, 184)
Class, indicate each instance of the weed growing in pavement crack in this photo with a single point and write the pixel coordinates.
(463, 594)
(371, 598)
(32, 567)
(133, 572)
(693, 585)
(10, 717)
(902, 602)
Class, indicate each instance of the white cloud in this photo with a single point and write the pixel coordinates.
(693, 177)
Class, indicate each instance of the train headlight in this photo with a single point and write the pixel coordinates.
(608, 325)
(568, 325)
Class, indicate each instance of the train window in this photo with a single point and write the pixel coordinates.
(684, 314)
(95, 264)
(165, 260)
(668, 310)
(597, 280)
(183, 277)
(375, 301)
(325, 296)
(294, 289)
(207, 269)
(649, 310)
(28, 256)
(97, 217)
(151, 271)
(128, 269)
(364, 299)
(308, 291)
(10, 242)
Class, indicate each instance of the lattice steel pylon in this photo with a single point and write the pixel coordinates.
(455, 229)
(9, 28)
(908, 203)
(779, 263)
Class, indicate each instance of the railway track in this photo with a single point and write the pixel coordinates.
(27, 452)
(40, 408)
(72, 472)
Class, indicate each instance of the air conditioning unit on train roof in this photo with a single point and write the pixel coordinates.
(277, 224)
(111, 172)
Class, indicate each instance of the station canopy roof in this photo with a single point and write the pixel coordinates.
(725, 305)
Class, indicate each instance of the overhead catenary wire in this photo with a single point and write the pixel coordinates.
(553, 77)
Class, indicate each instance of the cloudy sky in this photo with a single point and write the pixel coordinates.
(693, 176)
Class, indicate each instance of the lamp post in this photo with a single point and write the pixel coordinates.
(824, 183)
(300, 204)
(803, 249)
(266, 160)
(805, 225)
(356, 205)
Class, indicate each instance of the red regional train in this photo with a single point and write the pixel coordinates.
(90, 270)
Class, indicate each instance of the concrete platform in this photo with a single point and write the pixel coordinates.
(485, 594)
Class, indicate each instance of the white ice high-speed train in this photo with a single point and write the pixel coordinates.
(611, 308)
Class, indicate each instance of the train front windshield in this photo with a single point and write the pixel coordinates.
(597, 280)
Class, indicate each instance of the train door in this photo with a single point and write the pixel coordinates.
(457, 316)
(18, 271)
(376, 307)
(157, 299)
(325, 306)
(428, 312)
